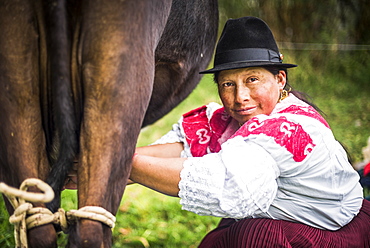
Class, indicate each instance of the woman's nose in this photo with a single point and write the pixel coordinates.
(242, 94)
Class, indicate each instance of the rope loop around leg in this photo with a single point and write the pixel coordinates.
(18, 198)
(38, 216)
(93, 213)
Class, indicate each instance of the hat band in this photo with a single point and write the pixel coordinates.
(247, 55)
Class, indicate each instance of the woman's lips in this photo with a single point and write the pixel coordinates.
(245, 111)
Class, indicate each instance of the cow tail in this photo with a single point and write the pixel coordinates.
(64, 141)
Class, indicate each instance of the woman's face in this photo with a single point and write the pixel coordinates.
(248, 92)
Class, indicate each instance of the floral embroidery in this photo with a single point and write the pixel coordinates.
(287, 134)
(306, 111)
(203, 134)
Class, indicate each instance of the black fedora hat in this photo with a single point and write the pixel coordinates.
(246, 42)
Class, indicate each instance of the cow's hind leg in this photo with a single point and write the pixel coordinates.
(22, 147)
(116, 54)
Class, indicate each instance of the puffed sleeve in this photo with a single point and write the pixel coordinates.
(237, 182)
(173, 136)
(176, 134)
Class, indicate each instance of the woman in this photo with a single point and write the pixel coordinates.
(267, 162)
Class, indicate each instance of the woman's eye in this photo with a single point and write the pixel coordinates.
(227, 84)
(252, 79)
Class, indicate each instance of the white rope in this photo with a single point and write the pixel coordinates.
(17, 198)
(23, 195)
(40, 216)
(93, 213)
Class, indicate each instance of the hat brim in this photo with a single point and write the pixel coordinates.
(238, 65)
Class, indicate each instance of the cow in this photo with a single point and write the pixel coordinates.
(79, 79)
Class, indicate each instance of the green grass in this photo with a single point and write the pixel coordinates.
(339, 86)
(149, 219)
(166, 225)
(6, 229)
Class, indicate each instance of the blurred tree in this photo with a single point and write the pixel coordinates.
(303, 21)
(361, 29)
(334, 33)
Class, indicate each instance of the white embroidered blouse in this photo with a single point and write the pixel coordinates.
(285, 166)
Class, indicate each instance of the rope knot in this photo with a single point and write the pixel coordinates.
(38, 216)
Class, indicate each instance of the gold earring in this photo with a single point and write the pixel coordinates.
(284, 94)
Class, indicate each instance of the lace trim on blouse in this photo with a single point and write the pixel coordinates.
(233, 183)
